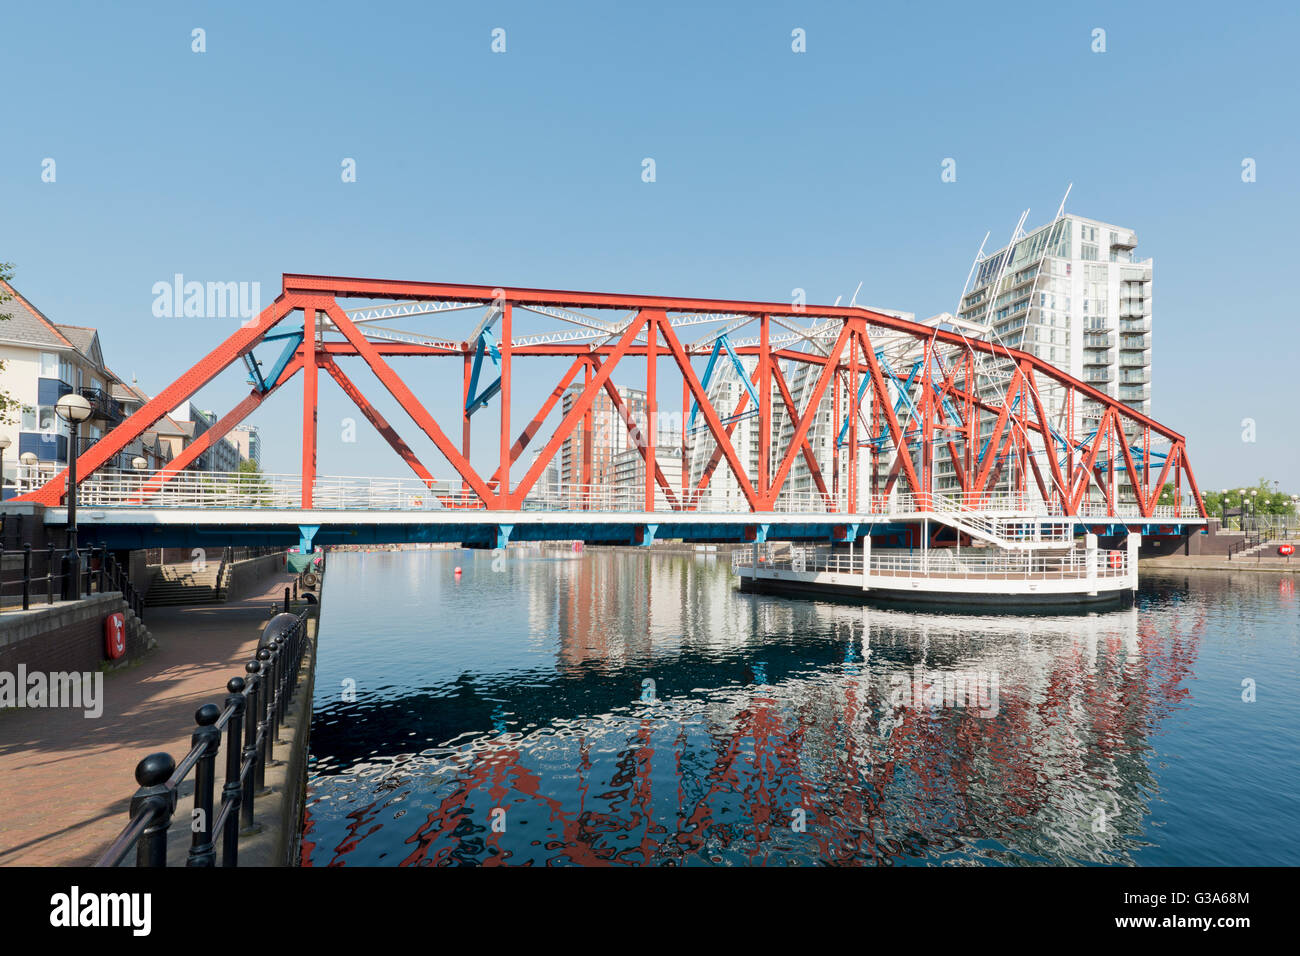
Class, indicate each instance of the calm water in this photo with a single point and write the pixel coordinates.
(633, 709)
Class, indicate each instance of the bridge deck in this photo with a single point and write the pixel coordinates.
(145, 527)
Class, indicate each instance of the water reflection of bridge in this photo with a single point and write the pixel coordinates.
(794, 709)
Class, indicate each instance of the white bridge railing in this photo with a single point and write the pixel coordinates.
(1004, 516)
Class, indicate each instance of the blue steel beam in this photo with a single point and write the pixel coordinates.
(476, 400)
(719, 344)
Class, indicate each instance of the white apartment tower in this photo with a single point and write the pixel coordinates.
(1073, 294)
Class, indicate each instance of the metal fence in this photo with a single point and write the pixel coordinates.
(34, 576)
(254, 709)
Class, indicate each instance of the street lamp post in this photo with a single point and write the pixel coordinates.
(29, 462)
(5, 442)
(138, 465)
(74, 409)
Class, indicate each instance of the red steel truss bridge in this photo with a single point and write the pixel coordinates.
(750, 421)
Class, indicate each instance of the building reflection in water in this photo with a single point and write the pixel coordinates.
(777, 731)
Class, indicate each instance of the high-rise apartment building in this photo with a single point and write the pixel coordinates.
(609, 436)
(1073, 294)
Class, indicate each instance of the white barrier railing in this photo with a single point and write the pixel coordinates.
(1011, 518)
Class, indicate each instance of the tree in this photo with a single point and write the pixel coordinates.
(252, 485)
(1262, 499)
(8, 404)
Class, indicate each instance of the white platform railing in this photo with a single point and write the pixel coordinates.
(1006, 517)
(941, 563)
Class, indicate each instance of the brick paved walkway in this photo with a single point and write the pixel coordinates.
(66, 781)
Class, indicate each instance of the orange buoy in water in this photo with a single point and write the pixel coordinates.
(457, 570)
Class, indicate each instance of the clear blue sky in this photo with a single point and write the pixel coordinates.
(775, 170)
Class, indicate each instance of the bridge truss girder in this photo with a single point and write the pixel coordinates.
(899, 431)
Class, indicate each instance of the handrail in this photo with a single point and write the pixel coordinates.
(272, 678)
(109, 575)
(109, 488)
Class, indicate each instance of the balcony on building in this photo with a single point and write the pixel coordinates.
(46, 446)
(103, 406)
(50, 390)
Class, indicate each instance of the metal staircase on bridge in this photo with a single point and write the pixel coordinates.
(1021, 532)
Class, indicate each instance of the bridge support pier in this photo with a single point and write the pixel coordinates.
(866, 561)
(306, 532)
(1090, 544)
(503, 535)
(1134, 543)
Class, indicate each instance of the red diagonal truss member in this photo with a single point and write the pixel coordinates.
(153, 411)
(948, 410)
(220, 429)
(377, 420)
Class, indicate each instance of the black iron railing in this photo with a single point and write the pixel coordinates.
(102, 405)
(254, 709)
(44, 572)
(1252, 539)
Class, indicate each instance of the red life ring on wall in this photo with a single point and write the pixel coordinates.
(115, 636)
(1286, 550)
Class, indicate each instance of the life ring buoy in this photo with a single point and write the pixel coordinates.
(1116, 560)
(115, 636)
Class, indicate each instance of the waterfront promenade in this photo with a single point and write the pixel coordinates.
(66, 781)
(1218, 562)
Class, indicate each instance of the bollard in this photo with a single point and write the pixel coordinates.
(277, 702)
(152, 773)
(286, 600)
(233, 790)
(263, 722)
(202, 850)
(253, 669)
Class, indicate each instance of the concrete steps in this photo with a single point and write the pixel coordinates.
(177, 584)
(1263, 549)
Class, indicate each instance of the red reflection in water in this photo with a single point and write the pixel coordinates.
(925, 785)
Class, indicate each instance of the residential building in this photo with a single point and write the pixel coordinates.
(1074, 294)
(248, 441)
(609, 435)
(222, 456)
(42, 361)
(630, 470)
